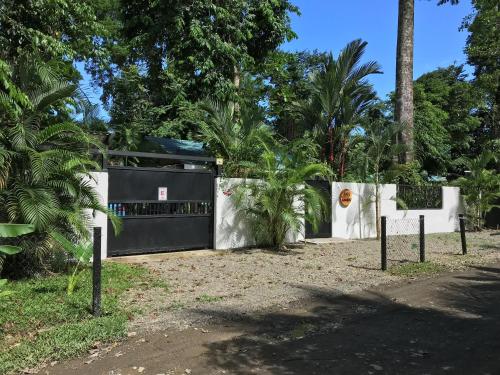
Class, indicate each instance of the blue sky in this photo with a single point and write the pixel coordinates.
(328, 25)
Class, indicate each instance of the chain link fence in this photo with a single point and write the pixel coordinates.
(403, 240)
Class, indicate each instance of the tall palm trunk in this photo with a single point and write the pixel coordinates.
(404, 76)
(331, 157)
(377, 204)
(236, 83)
(342, 159)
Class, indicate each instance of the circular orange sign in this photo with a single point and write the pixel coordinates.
(345, 197)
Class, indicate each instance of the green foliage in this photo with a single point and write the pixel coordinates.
(417, 269)
(446, 119)
(81, 252)
(183, 52)
(277, 203)
(340, 97)
(8, 230)
(13, 230)
(46, 324)
(480, 187)
(61, 31)
(12, 99)
(380, 149)
(239, 141)
(287, 77)
(132, 113)
(482, 48)
(4, 293)
(44, 174)
(482, 53)
(405, 174)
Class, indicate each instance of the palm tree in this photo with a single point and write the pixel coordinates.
(480, 187)
(380, 148)
(403, 112)
(340, 95)
(236, 140)
(280, 200)
(45, 163)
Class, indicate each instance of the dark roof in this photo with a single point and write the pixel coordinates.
(178, 146)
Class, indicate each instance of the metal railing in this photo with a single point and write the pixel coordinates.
(410, 197)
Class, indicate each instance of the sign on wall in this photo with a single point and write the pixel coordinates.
(345, 197)
(162, 193)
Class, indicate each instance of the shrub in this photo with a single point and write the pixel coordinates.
(281, 199)
(44, 165)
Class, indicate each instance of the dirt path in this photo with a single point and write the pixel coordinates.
(254, 280)
(444, 325)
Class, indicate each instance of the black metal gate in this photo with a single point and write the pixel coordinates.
(161, 209)
(325, 227)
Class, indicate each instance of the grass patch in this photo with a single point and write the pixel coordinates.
(416, 269)
(488, 246)
(40, 323)
(177, 305)
(208, 298)
(301, 330)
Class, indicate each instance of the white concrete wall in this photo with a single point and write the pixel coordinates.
(99, 181)
(294, 237)
(231, 230)
(442, 220)
(353, 222)
(358, 219)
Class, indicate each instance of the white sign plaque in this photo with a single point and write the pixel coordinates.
(162, 193)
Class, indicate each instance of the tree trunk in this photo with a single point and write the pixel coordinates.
(236, 82)
(342, 160)
(236, 77)
(403, 113)
(377, 208)
(330, 141)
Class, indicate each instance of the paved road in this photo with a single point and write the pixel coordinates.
(444, 325)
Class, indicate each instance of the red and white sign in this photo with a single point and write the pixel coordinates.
(162, 193)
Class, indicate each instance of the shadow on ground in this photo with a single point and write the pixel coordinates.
(444, 325)
(449, 325)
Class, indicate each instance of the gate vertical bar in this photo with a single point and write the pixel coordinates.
(383, 242)
(96, 273)
(422, 238)
(461, 219)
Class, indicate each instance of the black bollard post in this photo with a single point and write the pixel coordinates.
(383, 242)
(461, 220)
(96, 273)
(422, 238)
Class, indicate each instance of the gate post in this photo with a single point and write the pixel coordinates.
(383, 242)
(422, 238)
(461, 219)
(96, 273)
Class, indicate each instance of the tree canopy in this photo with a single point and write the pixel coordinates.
(156, 61)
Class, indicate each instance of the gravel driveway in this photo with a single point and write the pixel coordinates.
(250, 281)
